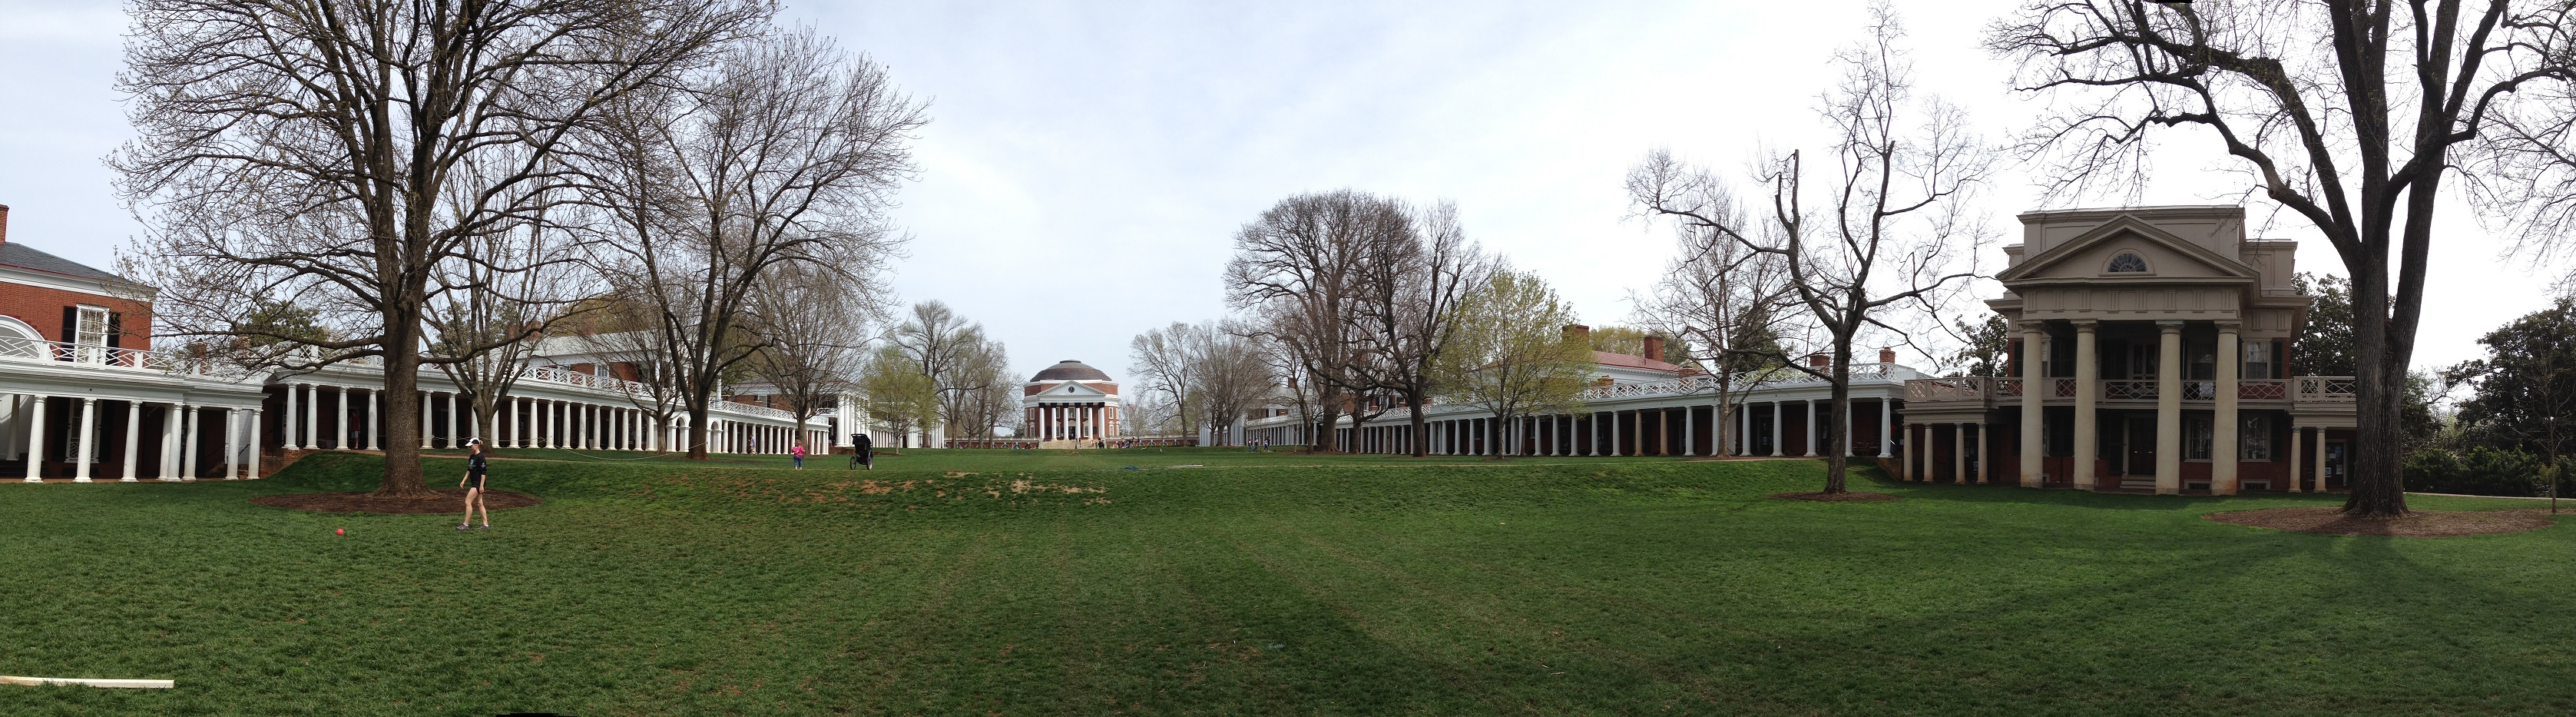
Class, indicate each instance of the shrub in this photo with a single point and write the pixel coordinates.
(2482, 470)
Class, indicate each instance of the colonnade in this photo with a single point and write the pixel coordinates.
(177, 447)
(1661, 431)
(447, 417)
(1070, 421)
(1960, 445)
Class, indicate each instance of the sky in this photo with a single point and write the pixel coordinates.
(1088, 163)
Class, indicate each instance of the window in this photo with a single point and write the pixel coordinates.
(2258, 360)
(2255, 439)
(2128, 262)
(93, 326)
(2196, 432)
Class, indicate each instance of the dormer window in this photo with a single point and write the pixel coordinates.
(2128, 262)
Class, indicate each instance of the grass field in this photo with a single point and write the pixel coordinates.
(1046, 583)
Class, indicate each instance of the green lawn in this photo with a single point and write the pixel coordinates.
(1048, 583)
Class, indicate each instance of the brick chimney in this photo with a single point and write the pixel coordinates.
(4, 224)
(1819, 360)
(1578, 331)
(1887, 355)
(1654, 347)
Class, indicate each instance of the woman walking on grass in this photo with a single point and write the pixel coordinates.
(799, 453)
(476, 465)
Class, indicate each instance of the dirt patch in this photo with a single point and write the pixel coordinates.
(449, 500)
(1843, 497)
(2329, 520)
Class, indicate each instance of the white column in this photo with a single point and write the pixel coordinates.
(188, 469)
(1690, 431)
(426, 398)
(1959, 453)
(253, 471)
(232, 443)
(1886, 427)
(1847, 426)
(2223, 419)
(312, 416)
(2034, 383)
(133, 438)
(2169, 408)
(1908, 457)
(1985, 447)
(372, 419)
(168, 467)
(84, 452)
(1809, 422)
(1777, 435)
(1618, 447)
(36, 439)
(1744, 428)
(340, 428)
(454, 439)
(2087, 436)
(286, 436)
(2320, 457)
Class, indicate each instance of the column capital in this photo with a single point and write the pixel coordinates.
(2086, 326)
(2229, 326)
(2170, 326)
(2030, 326)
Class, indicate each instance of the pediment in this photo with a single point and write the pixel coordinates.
(1070, 388)
(2116, 250)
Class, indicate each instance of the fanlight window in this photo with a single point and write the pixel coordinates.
(2128, 262)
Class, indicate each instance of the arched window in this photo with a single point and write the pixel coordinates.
(2128, 262)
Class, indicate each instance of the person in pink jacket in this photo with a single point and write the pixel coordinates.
(799, 453)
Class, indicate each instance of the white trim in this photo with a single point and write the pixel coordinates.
(49, 280)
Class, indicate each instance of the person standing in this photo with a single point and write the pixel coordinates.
(476, 466)
(799, 453)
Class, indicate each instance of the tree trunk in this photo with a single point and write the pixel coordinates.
(697, 430)
(1837, 460)
(402, 414)
(2373, 467)
(1327, 435)
(1421, 428)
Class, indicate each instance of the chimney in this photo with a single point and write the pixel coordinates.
(1578, 331)
(1654, 347)
(1819, 360)
(4, 224)
(1887, 355)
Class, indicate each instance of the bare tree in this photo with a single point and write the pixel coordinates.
(954, 353)
(1896, 221)
(814, 329)
(900, 398)
(1410, 294)
(784, 152)
(510, 291)
(1161, 365)
(1297, 270)
(1723, 299)
(318, 152)
(2348, 113)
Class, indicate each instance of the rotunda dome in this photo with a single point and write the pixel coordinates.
(1069, 371)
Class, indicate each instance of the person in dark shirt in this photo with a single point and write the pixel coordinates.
(476, 465)
(864, 452)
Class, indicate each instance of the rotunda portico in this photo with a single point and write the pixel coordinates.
(1071, 401)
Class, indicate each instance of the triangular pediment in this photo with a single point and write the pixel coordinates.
(2092, 256)
(1070, 388)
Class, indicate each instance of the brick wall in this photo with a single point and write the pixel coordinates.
(42, 308)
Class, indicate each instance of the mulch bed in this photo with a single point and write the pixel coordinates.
(2329, 520)
(449, 500)
(1844, 497)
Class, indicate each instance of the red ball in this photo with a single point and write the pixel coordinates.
(340, 531)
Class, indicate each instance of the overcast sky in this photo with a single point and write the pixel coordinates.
(1088, 162)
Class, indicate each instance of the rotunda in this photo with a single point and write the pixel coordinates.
(1071, 401)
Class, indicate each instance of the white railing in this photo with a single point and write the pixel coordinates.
(2263, 389)
(1705, 383)
(1965, 388)
(2327, 389)
(2129, 390)
(750, 410)
(138, 360)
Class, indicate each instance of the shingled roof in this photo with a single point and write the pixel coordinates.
(27, 257)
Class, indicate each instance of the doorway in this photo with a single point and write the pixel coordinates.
(2331, 469)
(2140, 455)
